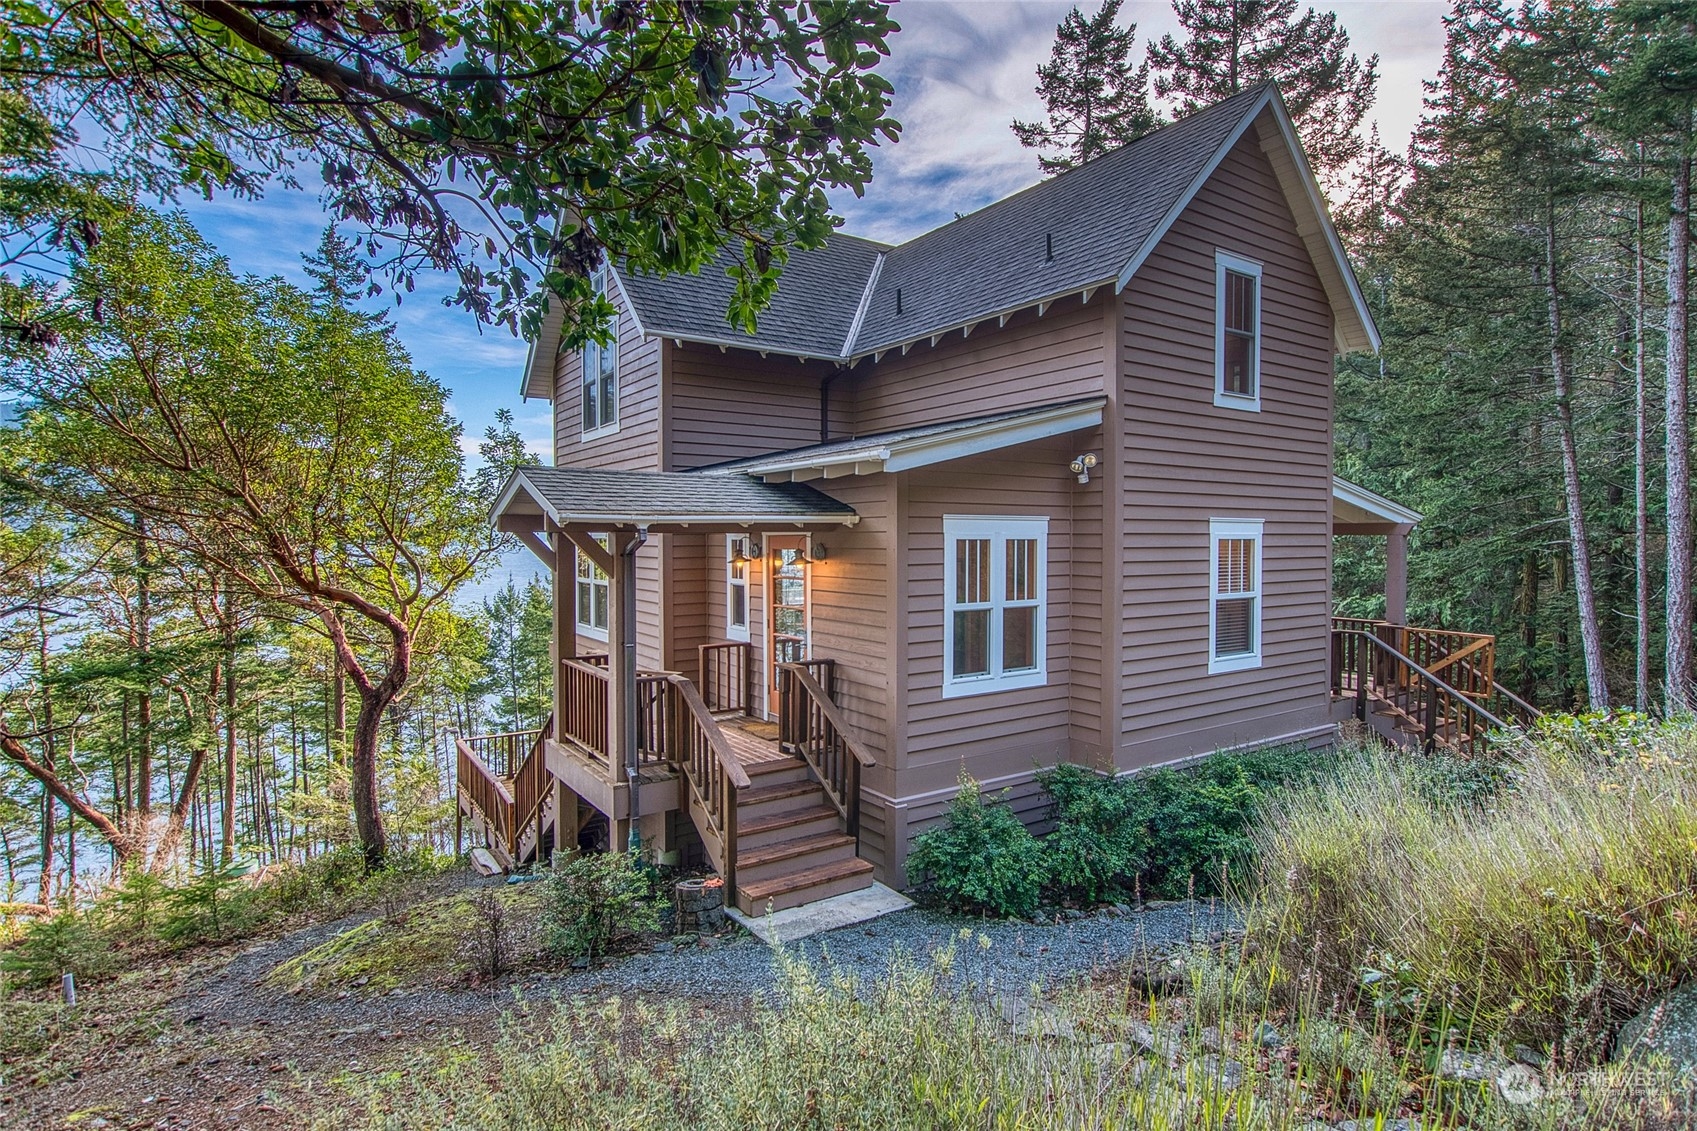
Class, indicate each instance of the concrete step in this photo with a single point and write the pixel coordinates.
(800, 853)
(768, 800)
(801, 821)
(793, 889)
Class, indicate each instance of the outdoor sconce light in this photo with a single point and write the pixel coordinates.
(1081, 466)
(815, 553)
(748, 550)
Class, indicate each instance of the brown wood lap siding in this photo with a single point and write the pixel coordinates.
(732, 405)
(1186, 461)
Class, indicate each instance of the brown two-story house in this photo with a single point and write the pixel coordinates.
(1050, 483)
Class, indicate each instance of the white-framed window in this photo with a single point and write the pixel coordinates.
(601, 376)
(1237, 332)
(995, 597)
(592, 594)
(738, 559)
(1234, 601)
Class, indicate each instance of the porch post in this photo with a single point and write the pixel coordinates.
(1396, 573)
(564, 644)
(622, 707)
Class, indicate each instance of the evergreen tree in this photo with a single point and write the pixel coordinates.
(341, 274)
(1233, 45)
(1097, 100)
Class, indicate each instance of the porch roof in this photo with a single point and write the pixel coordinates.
(601, 500)
(1354, 505)
(918, 447)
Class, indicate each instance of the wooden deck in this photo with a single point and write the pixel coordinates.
(752, 740)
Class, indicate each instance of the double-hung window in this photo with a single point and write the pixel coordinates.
(1234, 603)
(737, 560)
(995, 578)
(1237, 332)
(601, 376)
(592, 594)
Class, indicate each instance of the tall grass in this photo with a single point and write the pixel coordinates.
(1550, 912)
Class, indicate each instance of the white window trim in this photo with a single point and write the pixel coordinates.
(1225, 261)
(733, 631)
(999, 529)
(583, 629)
(605, 428)
(1221, 528)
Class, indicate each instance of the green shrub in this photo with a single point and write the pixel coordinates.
(71, 942)
(593, 901)
(1099, 842)
(980, 859)
(216, 904)
(1551, 914)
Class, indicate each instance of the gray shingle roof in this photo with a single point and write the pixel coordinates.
(588, 496)
(811, 314)
(993, 260)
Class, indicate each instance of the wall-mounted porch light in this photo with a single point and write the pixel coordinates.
(1081, 466)
(815, 552)
(747, 550)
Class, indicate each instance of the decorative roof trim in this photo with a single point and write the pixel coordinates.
(1374, 504)
(891, 452)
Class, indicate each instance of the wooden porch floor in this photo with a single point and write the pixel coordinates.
(752, 740)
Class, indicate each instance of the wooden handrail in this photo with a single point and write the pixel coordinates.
(487, 793)
(727, 675)
(812, 725)
(1391, 674)
(695, 745)
(502, 752)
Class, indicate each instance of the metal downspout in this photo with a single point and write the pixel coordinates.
(627, 665)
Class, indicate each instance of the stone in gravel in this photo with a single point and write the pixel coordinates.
(1209, 1038)
(1228, 1074)
(1519, 1084)
(1037, 1019)
(1267, 1035)
(580, 964)
(664, 948)
(1120, 909)
(1667, 1028)
(1525, 1054)
(1074, 913)
(1459, 1064)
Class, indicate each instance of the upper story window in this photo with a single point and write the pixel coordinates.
(738, 557)
(592, 594)
(995, 578)
(601, 376)
(1237, 332)
(1234, 603)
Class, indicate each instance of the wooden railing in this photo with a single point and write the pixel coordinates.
(583, 699)
(690, 739)
(727, 676)
(1465, 660)
(503, 752)
(512, 803)
(812, 725)
(479, 785)
(1364, 665)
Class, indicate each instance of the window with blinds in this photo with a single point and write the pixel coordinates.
(994, 589)
(1237, 332)
(601, 376)
(1234, 611)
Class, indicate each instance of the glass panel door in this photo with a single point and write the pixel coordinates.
(786, 555)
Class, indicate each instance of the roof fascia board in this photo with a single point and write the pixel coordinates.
(511, 491)
(1375, 504)
(1002, 316)
(546, 343)
(1183, 202)
(597, 520)
(635, 314)
(942, 449)
(865, 301)
(1317, 205)
(904, 455)
(745, 344)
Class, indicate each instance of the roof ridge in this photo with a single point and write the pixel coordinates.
(865, 301)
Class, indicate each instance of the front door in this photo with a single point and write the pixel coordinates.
(788, 620)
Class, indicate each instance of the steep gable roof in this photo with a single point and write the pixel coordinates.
(1087, 228)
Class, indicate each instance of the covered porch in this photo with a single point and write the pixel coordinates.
(1358, 511)
(668, 757)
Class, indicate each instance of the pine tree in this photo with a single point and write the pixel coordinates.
(342, 275)
(1236, 44)
(1097, 100)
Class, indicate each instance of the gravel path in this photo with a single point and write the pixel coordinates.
(1018, 955)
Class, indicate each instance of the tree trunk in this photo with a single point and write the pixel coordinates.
(1640, 475)
(48, 758)
(123, 845)
(144, 704)
(178, 819)
(368, 818)
(1585, 596)
(1677, 678)
(227, 850)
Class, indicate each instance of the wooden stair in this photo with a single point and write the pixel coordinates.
(791, 847)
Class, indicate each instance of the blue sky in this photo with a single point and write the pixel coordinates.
(962, 71)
